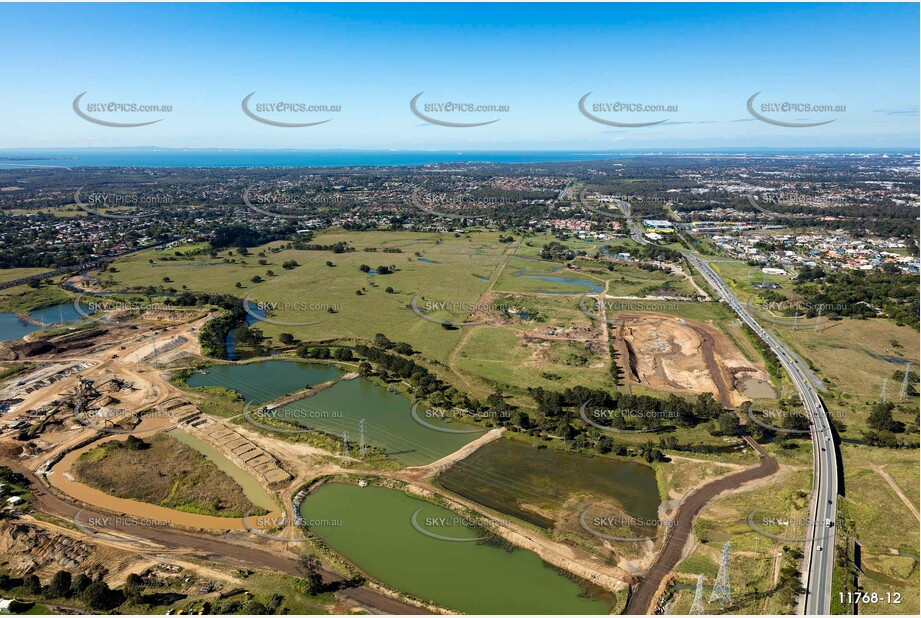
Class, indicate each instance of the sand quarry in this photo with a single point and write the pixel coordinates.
(673, 354)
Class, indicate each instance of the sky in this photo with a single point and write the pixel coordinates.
(700, 62)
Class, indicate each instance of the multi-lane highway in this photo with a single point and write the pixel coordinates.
(818, 562)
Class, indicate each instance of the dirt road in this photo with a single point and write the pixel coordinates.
(644, 595)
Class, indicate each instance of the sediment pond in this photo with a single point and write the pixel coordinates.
(373, 528)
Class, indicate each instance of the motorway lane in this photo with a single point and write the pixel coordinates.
(819, 549)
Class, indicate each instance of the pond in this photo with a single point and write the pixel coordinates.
(592, 287)
(14, 327)
(373, 528)
(263, 381)
(530, 483)
(253, 491)
(389, 423)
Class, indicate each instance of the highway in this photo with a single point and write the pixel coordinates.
(818, 561)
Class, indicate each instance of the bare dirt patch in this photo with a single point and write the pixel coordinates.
(680, 355)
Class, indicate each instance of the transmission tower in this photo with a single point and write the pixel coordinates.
(697, 607)
(345, 444)
(817, 318)
(882, 391)
(721, 591)
(361, 438)
(903, 392)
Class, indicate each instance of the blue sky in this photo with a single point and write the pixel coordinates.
(539, 60)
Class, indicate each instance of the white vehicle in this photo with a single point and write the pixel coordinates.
(829, 523)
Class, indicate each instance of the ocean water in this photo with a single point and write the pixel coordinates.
(130, 157)
(193, 157)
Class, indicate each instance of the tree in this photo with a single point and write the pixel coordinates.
(880, 418)
(256, 279)
(286, 338)
(255, 608)
(32, 583)
(81, 583)
(309, 565)
(98, 596)
(364, 268)
(60, 584)
(728, 424)
(133, 587)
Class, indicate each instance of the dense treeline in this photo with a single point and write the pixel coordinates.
(213, 335)
(860, 294)
(243, 236)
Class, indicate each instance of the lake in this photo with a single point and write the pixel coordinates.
(13, 327)
(375, 532)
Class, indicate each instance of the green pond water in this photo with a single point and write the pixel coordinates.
(510, 476)
(264, 381)
(372, 527)
(253, 491)
(388, 421)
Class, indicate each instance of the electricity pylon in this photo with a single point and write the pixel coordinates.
(721, 590)
(697, 607)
